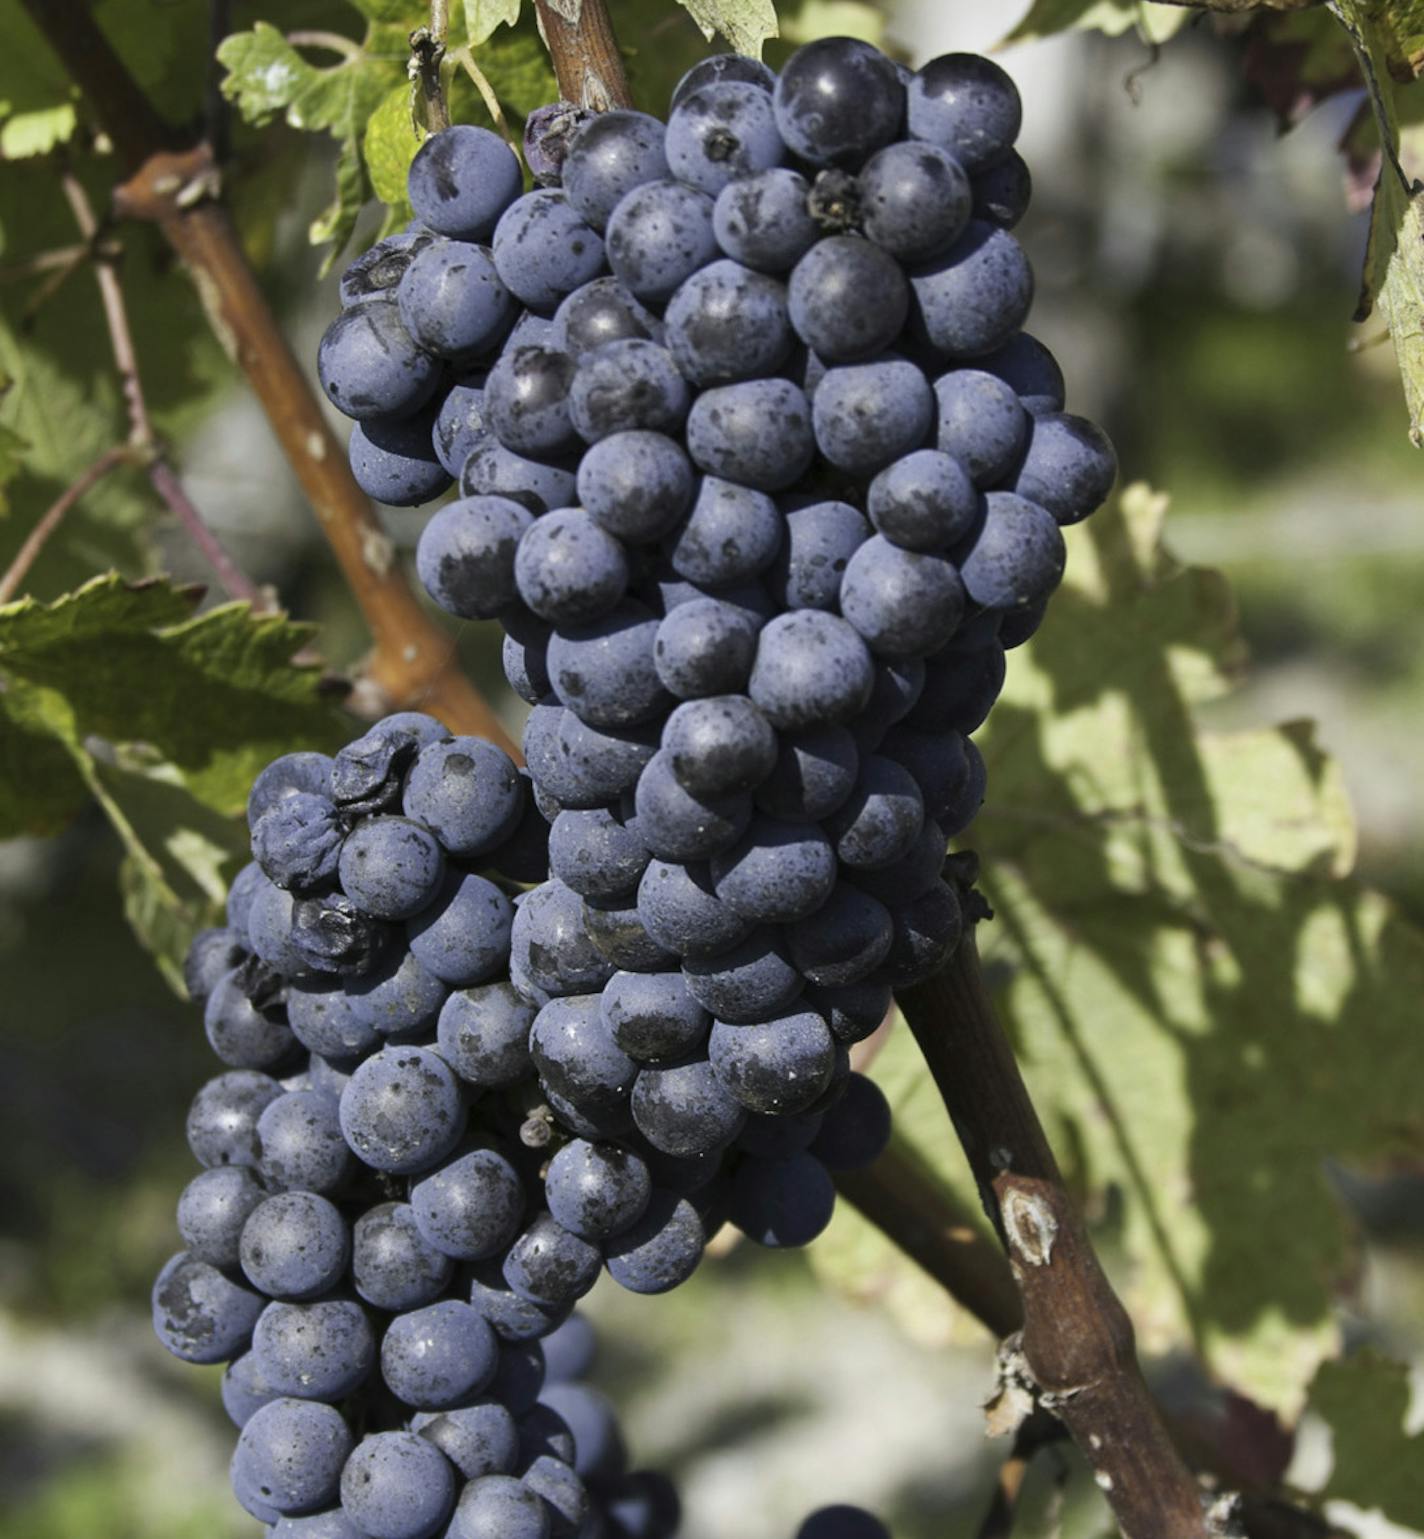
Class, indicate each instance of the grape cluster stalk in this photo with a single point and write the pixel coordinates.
(762, 477)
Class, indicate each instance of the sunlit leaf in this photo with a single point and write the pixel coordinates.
(23, 134)
(1199, 994)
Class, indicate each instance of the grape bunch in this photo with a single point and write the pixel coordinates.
(392, 1226)
(761, 476)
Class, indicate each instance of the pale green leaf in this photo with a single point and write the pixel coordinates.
(1393, 280)
(1154, 23)
(392, 138)
(483, 16)
(267, 75)
(745, 24)
(1376, 1464)
(25, 134)
(1199, 996)
(834, 18)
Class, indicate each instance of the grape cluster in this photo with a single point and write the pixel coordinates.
(761, 477)
(392, 1226)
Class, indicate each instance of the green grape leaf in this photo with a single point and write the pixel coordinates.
(364, 99)
(267, 75)
(1376, 1463)
(1154, 23)
(483, 16)
(746, 24)
(1393, 281)
(25, 134)
(214, 696)
(1198, 992)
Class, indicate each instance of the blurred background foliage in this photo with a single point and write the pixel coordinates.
(1177, 945)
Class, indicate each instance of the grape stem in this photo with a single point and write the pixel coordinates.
(413, 662)
(587, 63)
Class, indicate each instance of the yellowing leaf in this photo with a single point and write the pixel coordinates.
(746, 24)
(1198, 995)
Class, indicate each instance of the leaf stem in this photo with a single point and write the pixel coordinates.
(53, 516)
(414, 661)
(587, 63)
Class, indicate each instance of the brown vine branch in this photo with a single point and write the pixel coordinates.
(1077, 1341)
(413, 661)
(585, 55)
(142, 437)
(53, 517)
